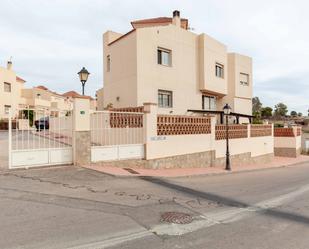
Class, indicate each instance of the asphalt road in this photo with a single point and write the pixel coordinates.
(69, 207)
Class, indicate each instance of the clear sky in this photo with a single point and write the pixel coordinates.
(50, 40)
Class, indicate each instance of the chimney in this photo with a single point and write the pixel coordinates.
(176, 18)
(9, 65)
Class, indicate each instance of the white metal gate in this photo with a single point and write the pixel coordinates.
(117, 135)
(40, 138)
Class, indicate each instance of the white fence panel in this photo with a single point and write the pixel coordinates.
(29, 158)
(116, 135)
(101, 153)
(131, 151)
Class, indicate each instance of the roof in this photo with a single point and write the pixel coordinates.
(20, 79)
(42, 88)
(160, 21)
(73, 94)
(131, 31)
(152, 22)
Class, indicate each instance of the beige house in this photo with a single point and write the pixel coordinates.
(72, 94)
(161, 61)
(14, 96)
(10, 90)
(41, 98)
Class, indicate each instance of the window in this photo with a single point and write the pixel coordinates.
(7, 87)
(219, 70)
(7, 109)
(244, 79)
(209, 103)
(108, 63)
(164, 57)
(165, 99)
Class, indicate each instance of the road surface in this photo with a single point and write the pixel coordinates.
(67, 207)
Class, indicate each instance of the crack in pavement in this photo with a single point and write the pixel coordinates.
(65, 185)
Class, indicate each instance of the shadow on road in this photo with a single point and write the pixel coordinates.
(230, 202)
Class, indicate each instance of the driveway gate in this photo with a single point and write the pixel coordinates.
(40, 138)
(116, 135)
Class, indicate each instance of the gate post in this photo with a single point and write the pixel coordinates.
(81, 132)
(150, 129)
(10, 140)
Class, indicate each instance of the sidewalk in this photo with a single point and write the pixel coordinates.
(276, 163)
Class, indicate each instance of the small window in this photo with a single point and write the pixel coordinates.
(108, 63)
(7, 87)
(209, 103)
(7, 109)
(244, 79)
(165, 99)
(219, 70)
(164, 57)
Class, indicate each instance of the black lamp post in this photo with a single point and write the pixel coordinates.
(83, 76)
(227, 111)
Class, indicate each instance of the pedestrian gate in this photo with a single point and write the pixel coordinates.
(116, 135)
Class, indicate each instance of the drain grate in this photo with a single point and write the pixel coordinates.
(131, 171)
(176, 218)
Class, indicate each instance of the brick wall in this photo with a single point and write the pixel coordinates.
(260, 130)
(125, 120)
(182, 125)
(287, 132)
(235, 131)
(284, 132)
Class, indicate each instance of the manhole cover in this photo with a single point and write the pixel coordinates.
(176, 218)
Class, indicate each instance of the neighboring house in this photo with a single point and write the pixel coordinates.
(161, 61)
(10, 90)
(43, 99)
(14, 96)
(72, 94)
(99, 97)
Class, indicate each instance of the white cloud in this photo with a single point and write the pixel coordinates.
(51, 40)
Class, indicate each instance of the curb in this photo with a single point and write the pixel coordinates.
(204, 174)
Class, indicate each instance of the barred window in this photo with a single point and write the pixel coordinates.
(7, 109)
(244, 79)
(165, 99)
(164, 57)
(7, 87)
(219, 70)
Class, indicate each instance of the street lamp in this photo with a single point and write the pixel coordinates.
(227, 111)
(83, 76)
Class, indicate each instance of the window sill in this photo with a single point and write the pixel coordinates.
(164, 65)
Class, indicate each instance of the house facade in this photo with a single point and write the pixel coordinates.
(10, 90)
(161, 61)
(14, 96)
(99, 98)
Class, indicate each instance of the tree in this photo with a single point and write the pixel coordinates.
(293, 113)
(266, 112)
(281, 110)
(299, 114)
(256, 105)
